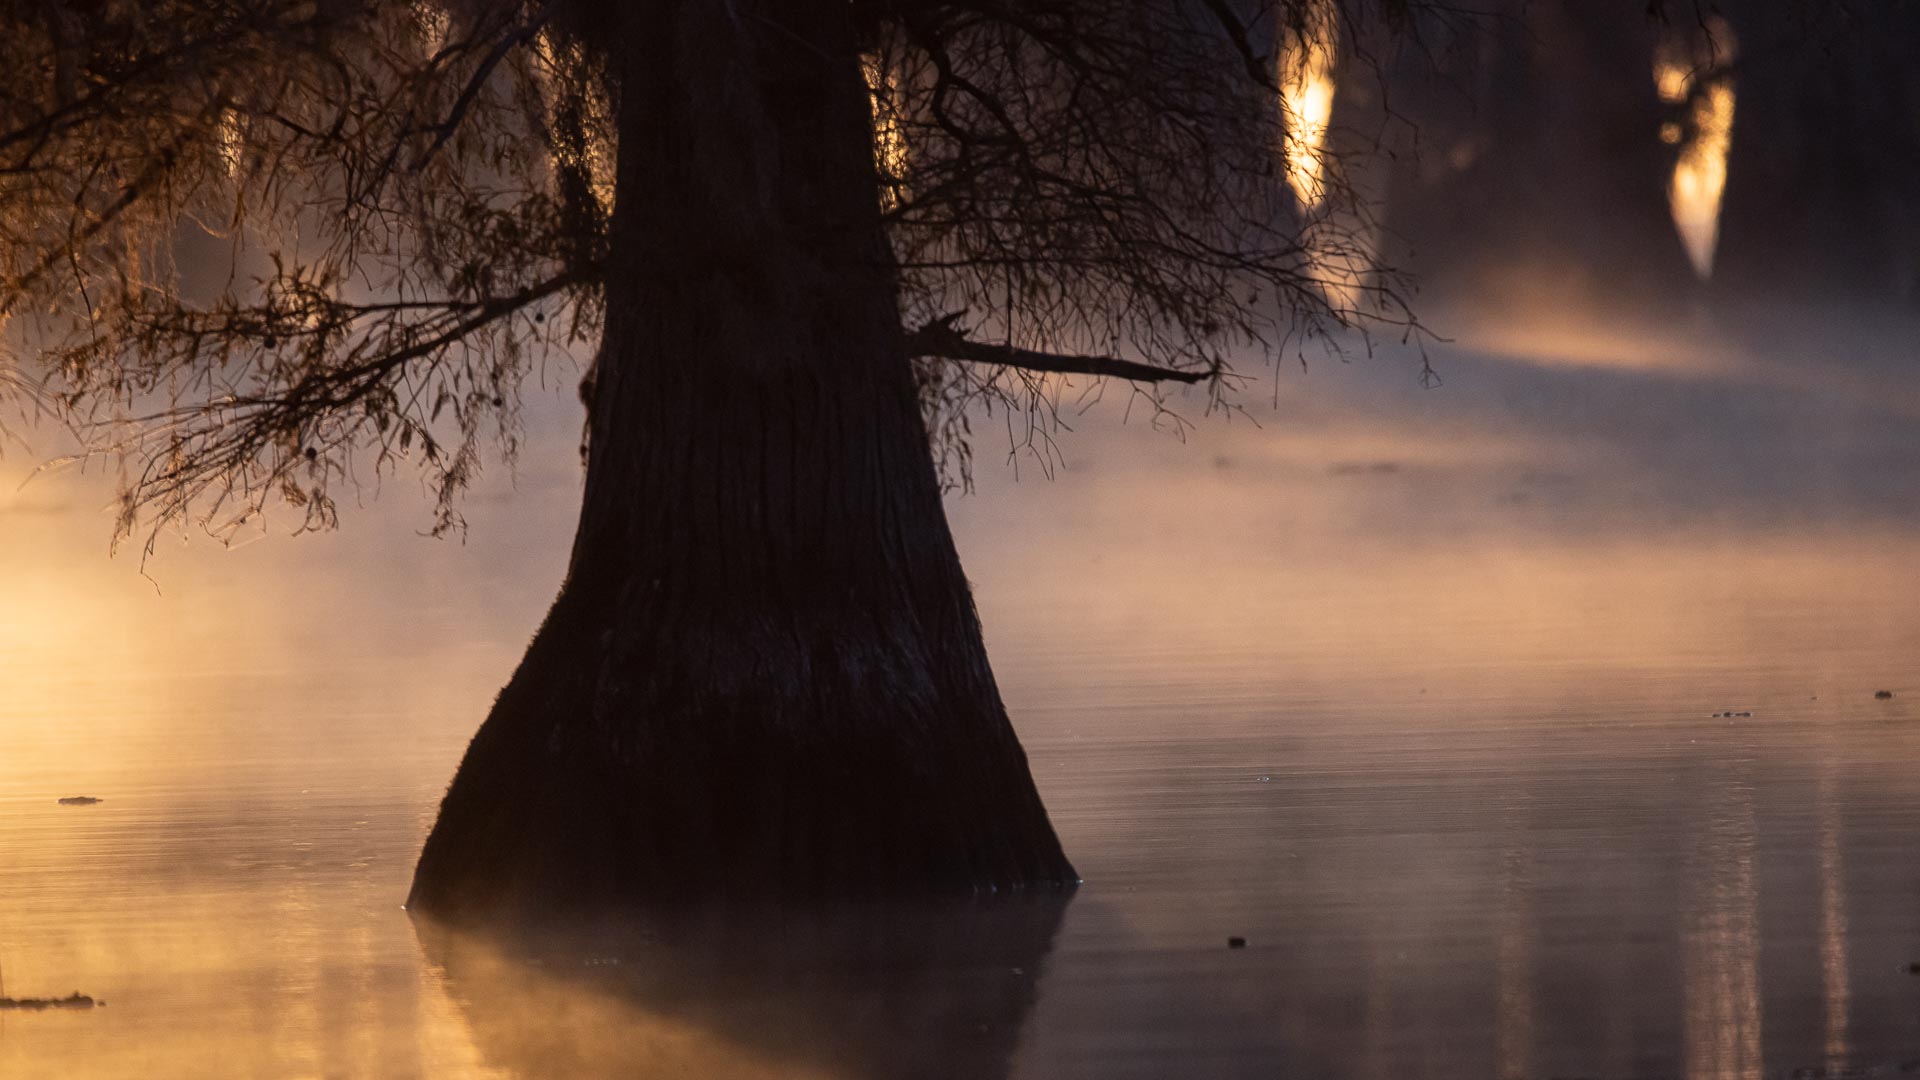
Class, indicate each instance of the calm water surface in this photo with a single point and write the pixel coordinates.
(1415, 692)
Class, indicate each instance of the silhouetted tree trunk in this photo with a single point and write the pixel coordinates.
(1540, 161)
(1825, 153)
(764, 674)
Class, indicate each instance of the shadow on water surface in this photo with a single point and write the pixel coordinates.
(851, 992)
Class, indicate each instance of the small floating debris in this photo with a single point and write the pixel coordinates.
(1883, 695)
(1236, 943)
(75, 1000)
(1357, 468)
(80, 800)
(1730, 715)
(1262, 779)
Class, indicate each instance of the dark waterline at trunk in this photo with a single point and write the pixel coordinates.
(764, 675)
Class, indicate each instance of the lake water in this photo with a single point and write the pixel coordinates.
(1414, 691)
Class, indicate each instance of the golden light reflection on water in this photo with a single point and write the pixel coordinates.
(1722, 938)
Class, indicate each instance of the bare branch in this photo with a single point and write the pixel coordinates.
(520, 36)
(939, 340)
(1259, 68)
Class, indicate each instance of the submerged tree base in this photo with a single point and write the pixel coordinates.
(608, 786)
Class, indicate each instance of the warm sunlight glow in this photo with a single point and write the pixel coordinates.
(1684, 76)
(1700, 176)
(595, 159)
(1306, 87)
(889, 142)
(233, 145)
(1672, 80)
(1337, 247)
(1340, 253)
(433, 23)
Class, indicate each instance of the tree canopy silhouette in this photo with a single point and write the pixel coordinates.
(271, 250)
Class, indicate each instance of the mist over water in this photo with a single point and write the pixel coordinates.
(1518, 727)
(1413, 689)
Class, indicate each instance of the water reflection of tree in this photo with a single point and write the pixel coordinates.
(882, 991)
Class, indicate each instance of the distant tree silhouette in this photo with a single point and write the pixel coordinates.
(274, 250)
(1541, 156)
(1822, 195)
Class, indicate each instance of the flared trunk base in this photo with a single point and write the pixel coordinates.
(614, 784)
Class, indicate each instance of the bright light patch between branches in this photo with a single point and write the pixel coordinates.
(889, 141)
(1700, 172)
(560, 63)
(233, 143)
(433, 24)
(1306, 89)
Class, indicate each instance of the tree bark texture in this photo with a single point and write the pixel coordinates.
(764, 675)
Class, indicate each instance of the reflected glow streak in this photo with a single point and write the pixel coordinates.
(1722, 959)
(1306, 91)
